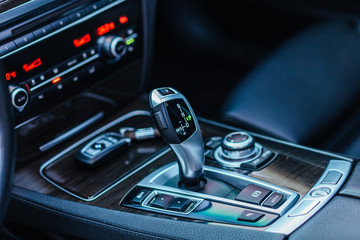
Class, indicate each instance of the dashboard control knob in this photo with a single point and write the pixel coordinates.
(19, 97)
(238, 145)
(112, 47)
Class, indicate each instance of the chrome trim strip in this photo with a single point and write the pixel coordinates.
(66, 27)
(21, 5)
(288, 224)
(96, 56)
(100, 130)
(26, 122)
(71, 132)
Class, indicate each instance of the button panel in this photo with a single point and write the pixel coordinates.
(176, 204)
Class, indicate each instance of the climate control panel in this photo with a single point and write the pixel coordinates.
(78, 50)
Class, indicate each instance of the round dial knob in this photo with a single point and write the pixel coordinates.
(112, 46)
(238, 145)
(19, 97)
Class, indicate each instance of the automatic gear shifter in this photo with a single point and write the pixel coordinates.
(177, 124)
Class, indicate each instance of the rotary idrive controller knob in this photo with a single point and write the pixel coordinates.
(238, 145)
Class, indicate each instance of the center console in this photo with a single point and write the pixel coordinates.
(266, 185)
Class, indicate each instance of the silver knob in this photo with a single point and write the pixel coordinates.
(238, 145)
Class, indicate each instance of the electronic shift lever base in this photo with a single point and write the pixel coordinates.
(192, 185)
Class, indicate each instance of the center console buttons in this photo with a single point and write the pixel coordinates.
(253, 194)
(274, 200)
(161, 201)
(250, 216)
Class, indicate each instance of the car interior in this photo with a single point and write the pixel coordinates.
(164, 119)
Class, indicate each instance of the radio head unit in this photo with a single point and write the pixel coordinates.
(78, 49)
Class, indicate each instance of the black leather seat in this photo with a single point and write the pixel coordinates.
(307, 92)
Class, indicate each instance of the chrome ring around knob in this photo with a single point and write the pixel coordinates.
(19, 97)
(236, 148)
(237, 141)
(112, 47)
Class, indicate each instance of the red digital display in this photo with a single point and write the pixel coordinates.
(10, 75)
(107, 27)
(81, 41)
(123, 19)
(32, 65)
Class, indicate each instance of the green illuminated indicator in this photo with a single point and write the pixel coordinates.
(129, 41)
(188, 118)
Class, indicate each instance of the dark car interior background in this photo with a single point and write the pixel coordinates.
(164, 119)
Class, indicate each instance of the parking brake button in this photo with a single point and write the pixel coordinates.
(253, 194)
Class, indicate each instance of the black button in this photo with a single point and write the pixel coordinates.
(72, 62)
(160, 121)
(179, 204)
(91, 52)
(60, 23)
(21, 41)
(40, 78)
(273, 200)
(94, 7)
(260, 161)
(213, 145)
(250, 216)
(210, 155)
(32, 82)
(7, 47)
(165, 91)
(43, 31)
(161, 201)
(140, 196)
(253, 194)
(332, 177)
(79, 14)
(92, 69)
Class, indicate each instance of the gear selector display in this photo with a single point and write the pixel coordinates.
(181, 118)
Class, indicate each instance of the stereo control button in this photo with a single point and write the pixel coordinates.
(21, 41)
(79, 14)
(61, 23)
(7, 47)
(43, 31)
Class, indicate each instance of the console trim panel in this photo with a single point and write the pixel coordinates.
(310, 205)
(158, 178)
(90, 136)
